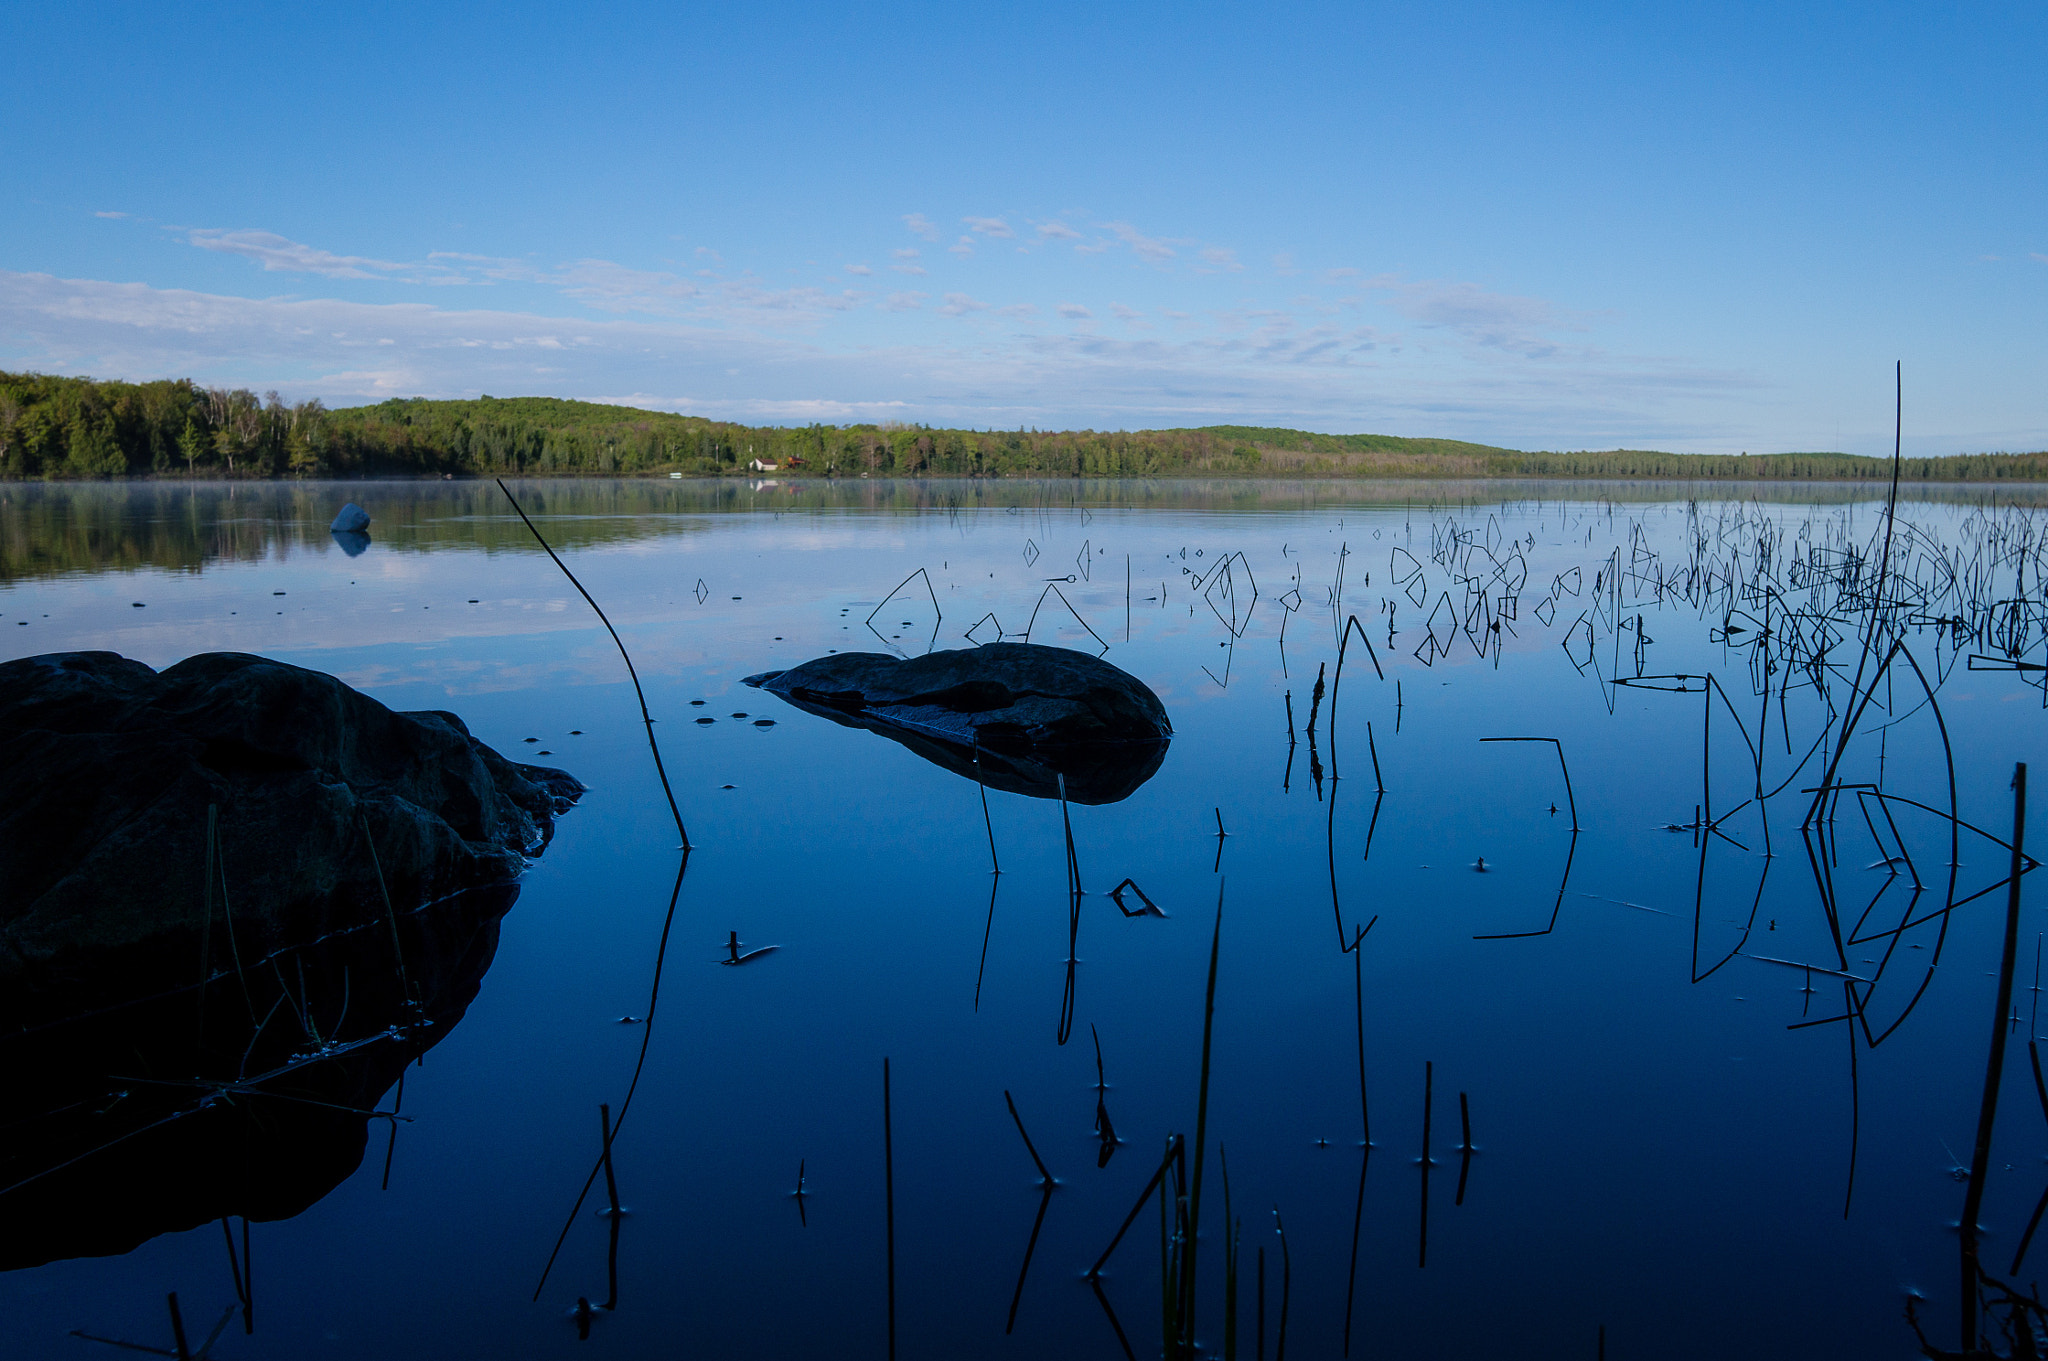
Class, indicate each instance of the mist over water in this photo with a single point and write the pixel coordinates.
(1722, 1055)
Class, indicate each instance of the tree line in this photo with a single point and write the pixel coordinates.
(62, 427)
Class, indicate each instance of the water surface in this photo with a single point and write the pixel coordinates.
(1638, 1000)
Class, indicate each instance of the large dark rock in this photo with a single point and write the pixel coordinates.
(1016, 716)
(107, 774)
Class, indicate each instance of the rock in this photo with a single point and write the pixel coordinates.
(351, 541)
(352, 520)
(107, 772)
(1030, 713)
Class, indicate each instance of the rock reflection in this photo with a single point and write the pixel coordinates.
(129, 1124)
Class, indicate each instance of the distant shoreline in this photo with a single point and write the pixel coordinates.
(78, 429)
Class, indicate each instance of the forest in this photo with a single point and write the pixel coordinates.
(54, 427)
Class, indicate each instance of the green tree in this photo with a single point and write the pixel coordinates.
(191, 444)
(94, 450)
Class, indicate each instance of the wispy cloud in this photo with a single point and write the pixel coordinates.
(988, 226)
(902, 302)
(110, 214)
(1217, 259)
(959, 305)
(1265, 367)
(1146, 247)
(1501, 321)
(1018, 311)
(283, 255)
(1057, 231)
(859, 269)
(615, 288)
(1129, 316)
(963, 247)
(1074, 311)
(920, 225)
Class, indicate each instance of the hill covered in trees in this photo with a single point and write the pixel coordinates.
(57, 427)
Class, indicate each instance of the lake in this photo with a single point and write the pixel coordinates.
(1647, 1061)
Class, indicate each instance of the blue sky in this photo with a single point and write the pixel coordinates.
(1708, 228)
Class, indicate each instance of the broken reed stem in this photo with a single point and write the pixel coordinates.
(995, 865)
(184, 1353)
(1465, 1147)
(1045, 1178)
(1358, 997)
(1987, 1115)
(889, 1204)
(1173, 1146)
(611, 1182)
(390, 914)
(646, 718)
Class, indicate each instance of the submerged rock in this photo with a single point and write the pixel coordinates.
(1016, 716)
(324, 802)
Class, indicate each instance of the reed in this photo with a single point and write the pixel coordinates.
(646, 718)
(1987, 1115)
(1187, 1288)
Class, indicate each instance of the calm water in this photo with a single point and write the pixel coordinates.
(1661, 1149)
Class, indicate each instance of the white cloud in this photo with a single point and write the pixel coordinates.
(1499, 321)
(1146, 247)
(110, 214)
(1058, 231)
(282, 255)
(963, 247)
(959, 305)
(902, 302)
(989, 226)
(920, 225)
(1129, 316)
(1217, 258)
(616, 288)
(1264, 367)
(1073, 311)
(1018, 311)
(908, 269)
(859, 269)
(1283, 263)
